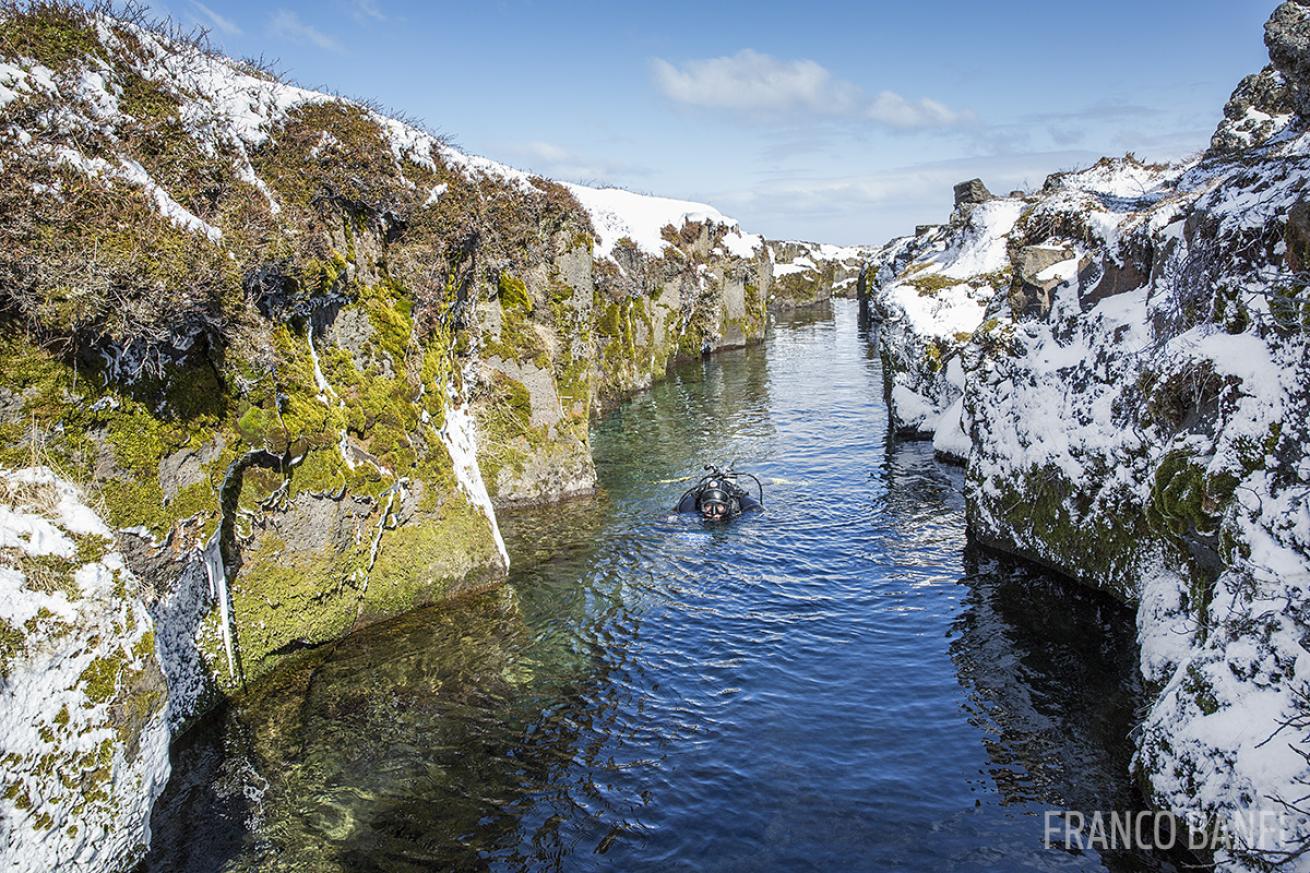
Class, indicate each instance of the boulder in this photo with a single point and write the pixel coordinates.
(972, 191)
(1287, 36)
(1031, 293)
(1033, 260)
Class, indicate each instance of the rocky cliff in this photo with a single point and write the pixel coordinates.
(805, 273)
(293, 353)
(1122, 360)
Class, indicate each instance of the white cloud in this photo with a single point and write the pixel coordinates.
(368, 9)
(212, 19)
(750, 81)
(287, 24)
(546, 151)
(892, 109)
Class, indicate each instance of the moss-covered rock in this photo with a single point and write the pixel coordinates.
(83, 700)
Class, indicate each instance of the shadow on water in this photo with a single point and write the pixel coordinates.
(838, 683)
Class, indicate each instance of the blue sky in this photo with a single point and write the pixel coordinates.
(838, 122)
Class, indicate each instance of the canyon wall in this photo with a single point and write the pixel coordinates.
(279, 357)
(1121, 360)
(805, 273)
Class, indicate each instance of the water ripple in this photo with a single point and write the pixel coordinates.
(837, 683)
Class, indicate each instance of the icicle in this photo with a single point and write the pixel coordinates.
(461, 442)
(324, 389)
(213, 559)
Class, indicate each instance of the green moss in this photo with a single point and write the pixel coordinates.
(323, 275)
(1186, 508)
(12, 641)
(1196, 684)
(1230, 310)
(997, 279)
(933, 356)
(1053, 522)
(518, 339)
(49, 574)
(100, 679)
(423, 561)
(145, 646)
(91, 548)
(505, 424)
(1290, 307)
(582, 239)
(282, 600)
(513, 293)
(1185, 500)
(931, 284)
(54, 34)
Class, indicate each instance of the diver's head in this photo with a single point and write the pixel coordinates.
(713, 504)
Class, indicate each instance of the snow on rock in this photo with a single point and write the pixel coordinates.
(807, 272)
(616, 214)
(950, 439)
(82, 698)
(1130, 388)
(460, 437)
(932, 292)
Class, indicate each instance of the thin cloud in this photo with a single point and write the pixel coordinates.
(368, 9)
(212, 19)
(286, 23)
(556, 162)
(894, 110)
(753, 82)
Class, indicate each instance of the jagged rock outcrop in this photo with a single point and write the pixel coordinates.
(806, 273)
(1287, 36)
(1133, 402)
(673, 279)
(931, 292)
(299, 352)
(1260, 107)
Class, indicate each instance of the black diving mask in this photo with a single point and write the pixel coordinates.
(714, 504)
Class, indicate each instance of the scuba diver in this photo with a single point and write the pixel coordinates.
(718, 497)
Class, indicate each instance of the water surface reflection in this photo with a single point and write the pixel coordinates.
(838, 683)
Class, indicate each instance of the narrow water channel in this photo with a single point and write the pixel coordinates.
(837, 684)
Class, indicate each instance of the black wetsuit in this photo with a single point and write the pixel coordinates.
(738, 500)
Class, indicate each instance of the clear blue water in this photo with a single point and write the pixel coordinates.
(839, 683)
